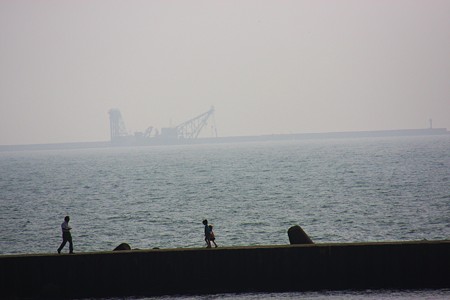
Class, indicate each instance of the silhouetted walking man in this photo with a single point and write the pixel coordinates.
(67, 237)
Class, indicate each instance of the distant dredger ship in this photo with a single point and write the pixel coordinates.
(184, 133)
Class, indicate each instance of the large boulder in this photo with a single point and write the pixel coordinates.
(123, 246)
(298, 236)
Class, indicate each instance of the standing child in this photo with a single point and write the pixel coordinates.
(212, 238)
(207, 234)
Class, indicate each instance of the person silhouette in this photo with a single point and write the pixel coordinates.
(207, 234)
(66, 235)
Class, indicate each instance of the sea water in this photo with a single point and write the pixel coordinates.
(337, 190)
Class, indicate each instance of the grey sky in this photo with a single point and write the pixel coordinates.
(266, 66)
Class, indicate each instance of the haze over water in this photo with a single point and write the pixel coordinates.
(267, 66)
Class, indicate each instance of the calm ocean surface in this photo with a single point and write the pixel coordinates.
(343, 190)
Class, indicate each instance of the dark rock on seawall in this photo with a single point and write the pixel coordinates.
(297, 236)
(123, 246)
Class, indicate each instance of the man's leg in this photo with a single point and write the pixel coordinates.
(62, 244)
(70, 244)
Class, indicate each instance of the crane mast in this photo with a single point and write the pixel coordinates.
(117, 125)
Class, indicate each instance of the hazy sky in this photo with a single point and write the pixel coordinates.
(266, 66)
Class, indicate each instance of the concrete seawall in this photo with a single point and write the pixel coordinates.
(398, 265)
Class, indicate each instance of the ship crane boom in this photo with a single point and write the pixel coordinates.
(192, 128)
